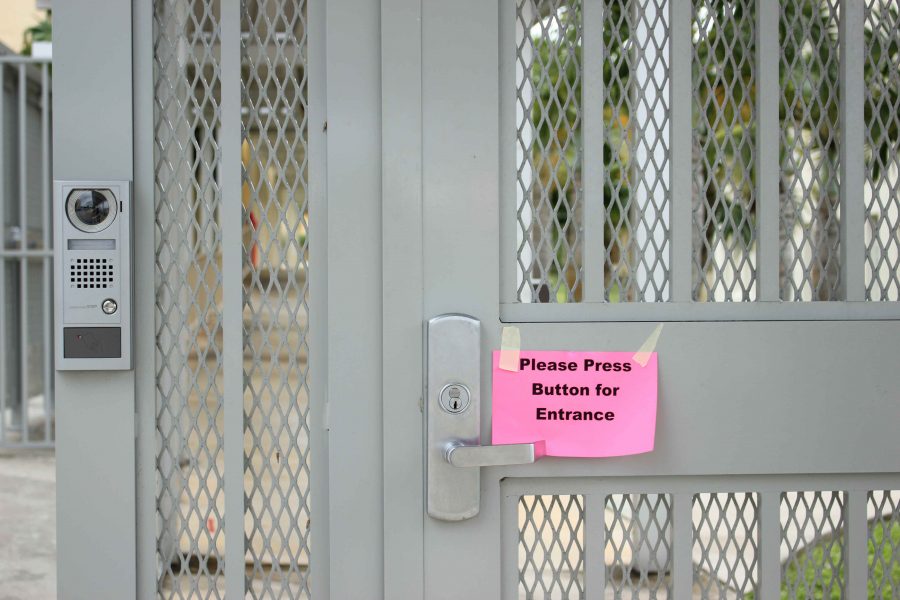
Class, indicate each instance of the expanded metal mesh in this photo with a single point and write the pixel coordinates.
(636, 150)
(190, 462)
(726, 544)
(549, 150)
(190, 499)
(810, 228)
(724, 150)
(812, 537)
(638, 545)
(636, 66)
(884, 544)
(276, 292)
(882, 113)
(551, 547)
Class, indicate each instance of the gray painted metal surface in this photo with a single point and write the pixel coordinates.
(402, 347)
(755, 396)
(764, 405)
(92, 129)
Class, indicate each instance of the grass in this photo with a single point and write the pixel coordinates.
(808, 586)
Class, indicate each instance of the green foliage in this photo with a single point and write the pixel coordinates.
(806, 584)
(890, 582)
(881, 80)
(42, 32)
(723, 75)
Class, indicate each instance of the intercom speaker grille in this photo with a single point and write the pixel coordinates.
(91, 273)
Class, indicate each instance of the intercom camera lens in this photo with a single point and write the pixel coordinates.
(91, 211)
(91, 207)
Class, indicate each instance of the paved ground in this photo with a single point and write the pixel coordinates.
(28, 526)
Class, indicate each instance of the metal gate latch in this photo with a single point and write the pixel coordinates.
(453, 421)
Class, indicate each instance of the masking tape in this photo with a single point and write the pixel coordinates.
(642, 356)
(510, 344)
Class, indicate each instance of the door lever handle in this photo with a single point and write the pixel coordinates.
(453, 421)
(461, 455)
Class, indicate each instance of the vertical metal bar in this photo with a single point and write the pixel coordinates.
(681, 90)
(353, 184)
(509, 265)
(852, 137)
(594, 546)
(769, 585)
(767, 166)
(856, 526)
(509, 547)
(232, 297)
(23, 261)
(4, 301)
(144, 313)
(682, 543)
(320, 550)
(47, 219)
(402, 273)
(594, 259)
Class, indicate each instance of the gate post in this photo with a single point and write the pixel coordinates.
(95, 449)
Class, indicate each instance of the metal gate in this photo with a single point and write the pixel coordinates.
(208, 471)
(313, 182)
(26, 324)
(727, 169)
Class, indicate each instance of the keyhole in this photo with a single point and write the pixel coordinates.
(454, 398)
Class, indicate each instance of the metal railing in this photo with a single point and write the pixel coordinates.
(26, 254)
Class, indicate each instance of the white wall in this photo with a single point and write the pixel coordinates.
(18, 15)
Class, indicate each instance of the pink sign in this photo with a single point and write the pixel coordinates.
(579, 403)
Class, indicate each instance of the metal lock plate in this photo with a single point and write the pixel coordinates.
(454, 359)
(454, 454)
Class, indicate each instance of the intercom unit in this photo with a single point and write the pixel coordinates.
(93, 280)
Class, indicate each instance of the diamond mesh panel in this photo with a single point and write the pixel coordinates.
(276, 291)
(882, 114)
(724, 140)
(551, 547)
(810, 232)
(549, 150)
(190, 497)
(884, 544)
(812, 537)
(726, 544)
(638, 545)
(636, 152)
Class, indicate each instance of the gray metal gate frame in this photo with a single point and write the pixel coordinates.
(96, 413)
(367, 439)
(106, 447)
(465, 147)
